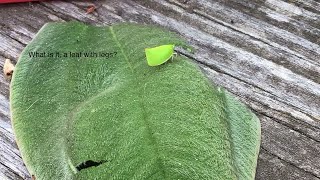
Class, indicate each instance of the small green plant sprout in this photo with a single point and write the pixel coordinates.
(159, 55)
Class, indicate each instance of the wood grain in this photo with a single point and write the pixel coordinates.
(265, 52)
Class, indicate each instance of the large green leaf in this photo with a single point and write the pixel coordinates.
(123, 118)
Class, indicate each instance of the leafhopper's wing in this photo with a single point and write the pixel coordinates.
(159, 55)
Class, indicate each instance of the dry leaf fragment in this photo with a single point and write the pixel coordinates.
(90, 9)
(8, 69)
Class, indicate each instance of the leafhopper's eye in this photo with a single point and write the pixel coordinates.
(159, 55)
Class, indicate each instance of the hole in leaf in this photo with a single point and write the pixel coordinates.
(89, 163)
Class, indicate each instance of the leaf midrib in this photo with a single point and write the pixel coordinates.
(150, 136)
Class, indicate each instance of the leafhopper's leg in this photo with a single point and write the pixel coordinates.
(174, 54)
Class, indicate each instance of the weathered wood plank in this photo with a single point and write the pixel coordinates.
(11, 164)
(284, 16)
(265, 52)
(291, 146)
(11, 159)
(273, 168)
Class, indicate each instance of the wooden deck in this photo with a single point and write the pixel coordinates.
(265, 52)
